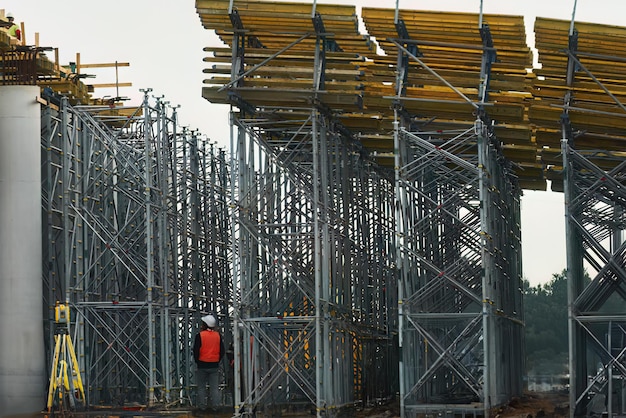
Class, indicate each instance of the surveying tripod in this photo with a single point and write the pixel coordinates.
(65, 391)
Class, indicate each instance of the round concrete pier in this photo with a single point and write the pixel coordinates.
(22, 362)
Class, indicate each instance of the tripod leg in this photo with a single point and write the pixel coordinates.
(53, 372)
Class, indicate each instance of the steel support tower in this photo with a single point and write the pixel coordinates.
(595, 204)
(595, 207)
(136, 243)
(459, 255)
(314, 282)
(324, 268)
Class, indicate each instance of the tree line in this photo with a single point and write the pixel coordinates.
(545, 314)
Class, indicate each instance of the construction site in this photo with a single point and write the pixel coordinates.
(359, 241)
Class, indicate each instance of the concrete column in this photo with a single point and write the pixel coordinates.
(22, 362)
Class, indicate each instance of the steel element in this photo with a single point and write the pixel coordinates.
(314, 269)
(459, 261)
(313, 266)
(460, 276)
(595, 204)
(137, 245)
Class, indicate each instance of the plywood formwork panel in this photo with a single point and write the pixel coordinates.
(598, 119)
(524, 105)
(277, 24)
(508, 33)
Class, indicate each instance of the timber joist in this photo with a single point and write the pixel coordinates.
(452, 35)
(360, 74)
(276, 25)
(594, 101)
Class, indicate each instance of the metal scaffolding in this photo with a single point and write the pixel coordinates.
(337, 255)
(595, 205)
(460, 296)
(362, 240)
(314, 306)
(459, 251)
(137, 243)
(595, 249)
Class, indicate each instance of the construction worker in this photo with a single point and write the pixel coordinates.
(208, 351)
(12, 27)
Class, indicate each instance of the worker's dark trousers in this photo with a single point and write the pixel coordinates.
(212, 378)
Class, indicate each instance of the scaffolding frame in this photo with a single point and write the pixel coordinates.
(143, 237)
(136, 245)
(453, 229)
(595, 204)
(459, 256)
(460, 300)
(314, 282)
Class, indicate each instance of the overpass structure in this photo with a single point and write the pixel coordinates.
(361, 242)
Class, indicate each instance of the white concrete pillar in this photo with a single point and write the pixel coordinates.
(22, 362)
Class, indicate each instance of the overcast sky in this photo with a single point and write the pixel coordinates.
(163, 42)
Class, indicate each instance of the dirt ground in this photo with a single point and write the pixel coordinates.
(531, 405)
(536, 404)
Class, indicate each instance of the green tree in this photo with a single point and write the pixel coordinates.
(545, 312)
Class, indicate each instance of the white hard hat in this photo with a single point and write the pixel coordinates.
(10, 15)
(209, 320)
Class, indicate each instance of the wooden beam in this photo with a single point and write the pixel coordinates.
(106, 65)
(107, 85)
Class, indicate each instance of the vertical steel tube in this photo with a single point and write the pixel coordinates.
(235, 272)
(319, 353)
(571, 286)
(65, 178)
(399, 243)
(483, 187)
(149, 247)
(571, 27)
(329, 395)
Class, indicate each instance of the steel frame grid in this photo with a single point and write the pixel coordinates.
(314, 284)
(459, 255)
(593, 182)
(459, 261)
(498, 307)
(137, 245)
(595, 207)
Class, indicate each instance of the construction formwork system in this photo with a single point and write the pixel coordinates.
(136, 243)
(315, 288)
(458, 216)
(304, 86)
(583, 111)
(29, 64)
(314, 309)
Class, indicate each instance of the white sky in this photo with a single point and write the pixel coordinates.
(163, 41)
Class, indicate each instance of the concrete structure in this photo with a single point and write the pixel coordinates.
(22, 363)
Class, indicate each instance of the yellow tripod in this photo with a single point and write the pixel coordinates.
(66, 390)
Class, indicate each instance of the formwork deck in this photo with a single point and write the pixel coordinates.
(525, 104)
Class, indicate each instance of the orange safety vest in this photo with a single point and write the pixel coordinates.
(209, 346)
